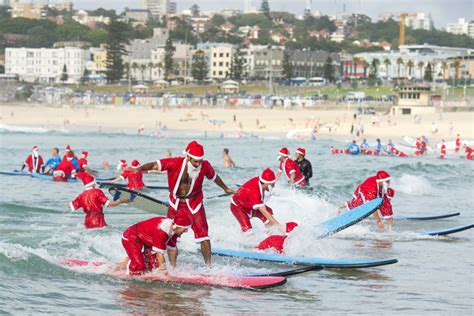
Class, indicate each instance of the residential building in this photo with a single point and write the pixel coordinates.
(98, 59)
(45, 65)
(459, 68)
(201, 24)
(138, 16)
(308, 63)
(268, 62)
(30, 10)
(83, 17)
(461, 27)
(419, 20)
(158, 8)
(220, 60)
(182, 60)
(141, 48)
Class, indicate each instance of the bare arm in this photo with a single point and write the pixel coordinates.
(173, 255)
(118, 202)
(267, 215)
(221, 184)
(161, 262)
(148, 166)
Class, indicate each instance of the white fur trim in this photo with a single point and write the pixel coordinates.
(172, 248)
(165, 226)
(123, 237)
(121, 177)
(72, 207)
(107, 203)
(292, 171)
(265, 181)
(256, 206)
(299, 152)
(195, 157)
(159, 164)
(383, 180)
(198, 240)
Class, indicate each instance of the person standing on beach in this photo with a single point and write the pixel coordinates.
(290, 169)
(185, 178)
(54, 161)
(304, 164)
(34, 161)
(228, 162)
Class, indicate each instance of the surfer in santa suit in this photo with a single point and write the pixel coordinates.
(34, 161)
(185, 178)
(385, 209)
(65, 169)
(92, 202)
(304, 164)
(276, 242)
(372, 188)
(134, 177)
(290, 169)
(146, 243)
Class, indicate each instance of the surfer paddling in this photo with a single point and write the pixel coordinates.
(134, 177)
(372, 188)
(185, 178)
(304, 164)
(248, 201)
(146, 243)
(290, 169)
(65, 169)
(53, 162)
(34, 161)
(92, 202)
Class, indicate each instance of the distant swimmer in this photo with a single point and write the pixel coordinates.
(290, 169)
(185, 179)
(249, 201)
(65, 169)
(304, 164)
(364, 144)
(277, 242)
(34, 161)
(442, 152)
(134, 177)
(458, 143)
(228, 162)
(92, 201)
(372, 188)
(82, 162)
(146, 243)
(385, 209)
(353, 148)
(53, 162)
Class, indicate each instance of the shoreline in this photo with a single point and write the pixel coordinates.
(329, 123)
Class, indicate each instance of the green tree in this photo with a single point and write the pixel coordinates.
(85, 76)
(428, 76)
(328, 70)
(287, 66)
(5, 12)
(195, 10)
(374, 66)
(115, 50)
(265, 9)
(2, 69)
(399, 64)
(387, 63)
(420, 66)
(237, 66)
(217, 20)
(199, 67)
(64, 74)
(168, 60)
(410, 65)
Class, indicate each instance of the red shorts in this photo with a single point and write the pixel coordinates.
(94, 221)
(243, 216)
(142, 258)
(198, 220)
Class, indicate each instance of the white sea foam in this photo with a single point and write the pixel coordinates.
(413, 185)
(24, 129)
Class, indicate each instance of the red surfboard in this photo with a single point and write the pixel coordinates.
(239, 282)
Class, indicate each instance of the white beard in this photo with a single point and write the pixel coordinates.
(385, 187)
(35, 154)
(193, 172)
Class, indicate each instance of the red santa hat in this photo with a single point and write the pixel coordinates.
(85, 153)
(284, 152)
(182, 220)
(390, 193)
(301, 151)
(290, 226)
(382, 176)
(86, 178)
(68, 148)
(196, 151)
(69, 156)
(135, 164)
(188, 146)
(267, 176)
(122, 162)
(35, 148)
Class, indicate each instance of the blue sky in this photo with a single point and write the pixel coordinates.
(442, 11)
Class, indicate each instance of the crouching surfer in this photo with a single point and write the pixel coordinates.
(146, 243)
(134, 177)
(92, 201)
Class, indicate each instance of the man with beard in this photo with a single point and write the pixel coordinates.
(185, 178)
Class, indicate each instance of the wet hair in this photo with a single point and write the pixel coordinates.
(226, 150)
(56, 150)
(378, 140)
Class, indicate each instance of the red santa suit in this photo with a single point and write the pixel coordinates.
(469, 152)
(442, 153)
(83, 161)
(458, 144)
(135, 179)
(66, 151)
(368, 190)
(65, 169)
(386, 206)
(34, 161)
(276, 242)
(396, 152)
(289, 167)
(339, 151)
(143, 240)
(92, 201)
(249, 197)
(192, 203)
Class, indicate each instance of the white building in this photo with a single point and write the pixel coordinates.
(419, 20)
(82, 17)
(45, 65)
(158, 8)
(461, 27)
(220, 61)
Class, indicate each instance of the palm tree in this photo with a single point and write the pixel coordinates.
(366, 66)
(355, 62)
(420, 66)
(444, 66)
(135, 68)
(150, 67)
(399, 63)
(387, 63)
(375, 66)
(410, 65)
(126, 67)
(457, 67)
(159, 66)
(143, 68)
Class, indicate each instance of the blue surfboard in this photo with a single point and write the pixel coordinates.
(49, 177)
(15, 173)
(349, 218)
(425, 217)
(448, 231)
(326, 263)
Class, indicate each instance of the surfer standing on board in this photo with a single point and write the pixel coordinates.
(248, 201)
(34, 161)
(304, 164)
(185, 178)
(290, 169)
(372, 188)
(92, 202)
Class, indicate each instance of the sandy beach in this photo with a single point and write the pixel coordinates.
(329, 123)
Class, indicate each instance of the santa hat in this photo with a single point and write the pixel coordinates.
(85, 153)
(290, 226)
(35, 148)
(122, 162)
(190, 144)
(284, 152)
(267, 176)
(86, 178)
(301, 151)
(390, 193)
(68, 148)
(182, 220)
(69, 156)
(135, 164)
(382, 176)
(196, 151)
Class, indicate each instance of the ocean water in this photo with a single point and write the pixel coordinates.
(37, 230)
